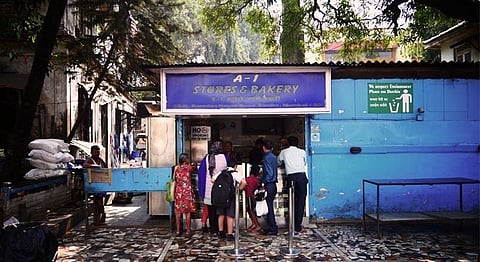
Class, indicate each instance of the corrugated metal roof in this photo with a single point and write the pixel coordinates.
(344, 64)
(358, 70)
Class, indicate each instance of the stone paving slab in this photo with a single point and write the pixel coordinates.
(113, 244)
(140, 239)
(333, 243)
(322, 243)
(252, 247)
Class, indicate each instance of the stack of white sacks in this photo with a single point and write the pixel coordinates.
(49, 157)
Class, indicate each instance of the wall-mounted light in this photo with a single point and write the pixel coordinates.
(420, 112)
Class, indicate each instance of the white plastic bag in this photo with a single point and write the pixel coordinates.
(12, 221)
(261, 208)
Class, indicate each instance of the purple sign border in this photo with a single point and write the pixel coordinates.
(247, 90)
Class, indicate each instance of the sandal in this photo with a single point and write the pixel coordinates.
(256, 229)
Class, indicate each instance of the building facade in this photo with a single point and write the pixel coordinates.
(459, 43)
(383, 121)
(110, 118)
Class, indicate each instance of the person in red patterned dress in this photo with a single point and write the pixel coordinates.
(184, 196)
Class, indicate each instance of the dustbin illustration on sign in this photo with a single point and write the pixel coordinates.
(394, 106)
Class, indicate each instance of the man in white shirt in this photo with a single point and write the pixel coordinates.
(295, 161)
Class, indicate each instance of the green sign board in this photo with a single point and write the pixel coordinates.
(390, 98)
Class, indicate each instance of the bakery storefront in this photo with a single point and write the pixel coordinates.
(236, 104)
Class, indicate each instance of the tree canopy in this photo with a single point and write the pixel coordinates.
(360, 25)
(140, 30)
(21, 22)
(113, 39)
(116, 37)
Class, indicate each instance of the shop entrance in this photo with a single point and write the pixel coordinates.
(242, 132)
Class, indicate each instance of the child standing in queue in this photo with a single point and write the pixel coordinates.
(252, 183)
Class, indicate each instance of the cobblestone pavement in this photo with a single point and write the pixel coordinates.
(131, 235)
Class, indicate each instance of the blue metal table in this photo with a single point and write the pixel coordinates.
(409, 216)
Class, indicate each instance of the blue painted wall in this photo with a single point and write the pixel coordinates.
(444, 144)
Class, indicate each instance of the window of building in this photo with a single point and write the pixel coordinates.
(463, 53)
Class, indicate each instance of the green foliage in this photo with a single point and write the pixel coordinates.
(20, 22)
(203, 44)
(263, 23)
(364, 26)
(253, 26)
(223, 17)
(426, 23)
(345, 22)
(140, 32)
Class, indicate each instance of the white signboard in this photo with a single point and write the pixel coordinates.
(200, 133)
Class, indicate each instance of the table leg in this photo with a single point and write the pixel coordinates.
(86, 213)
(378, 210)
(461, 196)
(364, 223)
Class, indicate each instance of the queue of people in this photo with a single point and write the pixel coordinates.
(220, 157)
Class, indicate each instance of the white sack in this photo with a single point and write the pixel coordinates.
(35, 174)
(46, 156)
(38, 163)
(50, 145)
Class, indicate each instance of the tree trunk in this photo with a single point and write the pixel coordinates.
(291, 39)
(21, 133)
(84, 111)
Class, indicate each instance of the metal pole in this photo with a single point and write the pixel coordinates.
(236, 251)
(87, 213)
(378, 210)
(246, 172)
(291, 227)
(364, 209)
